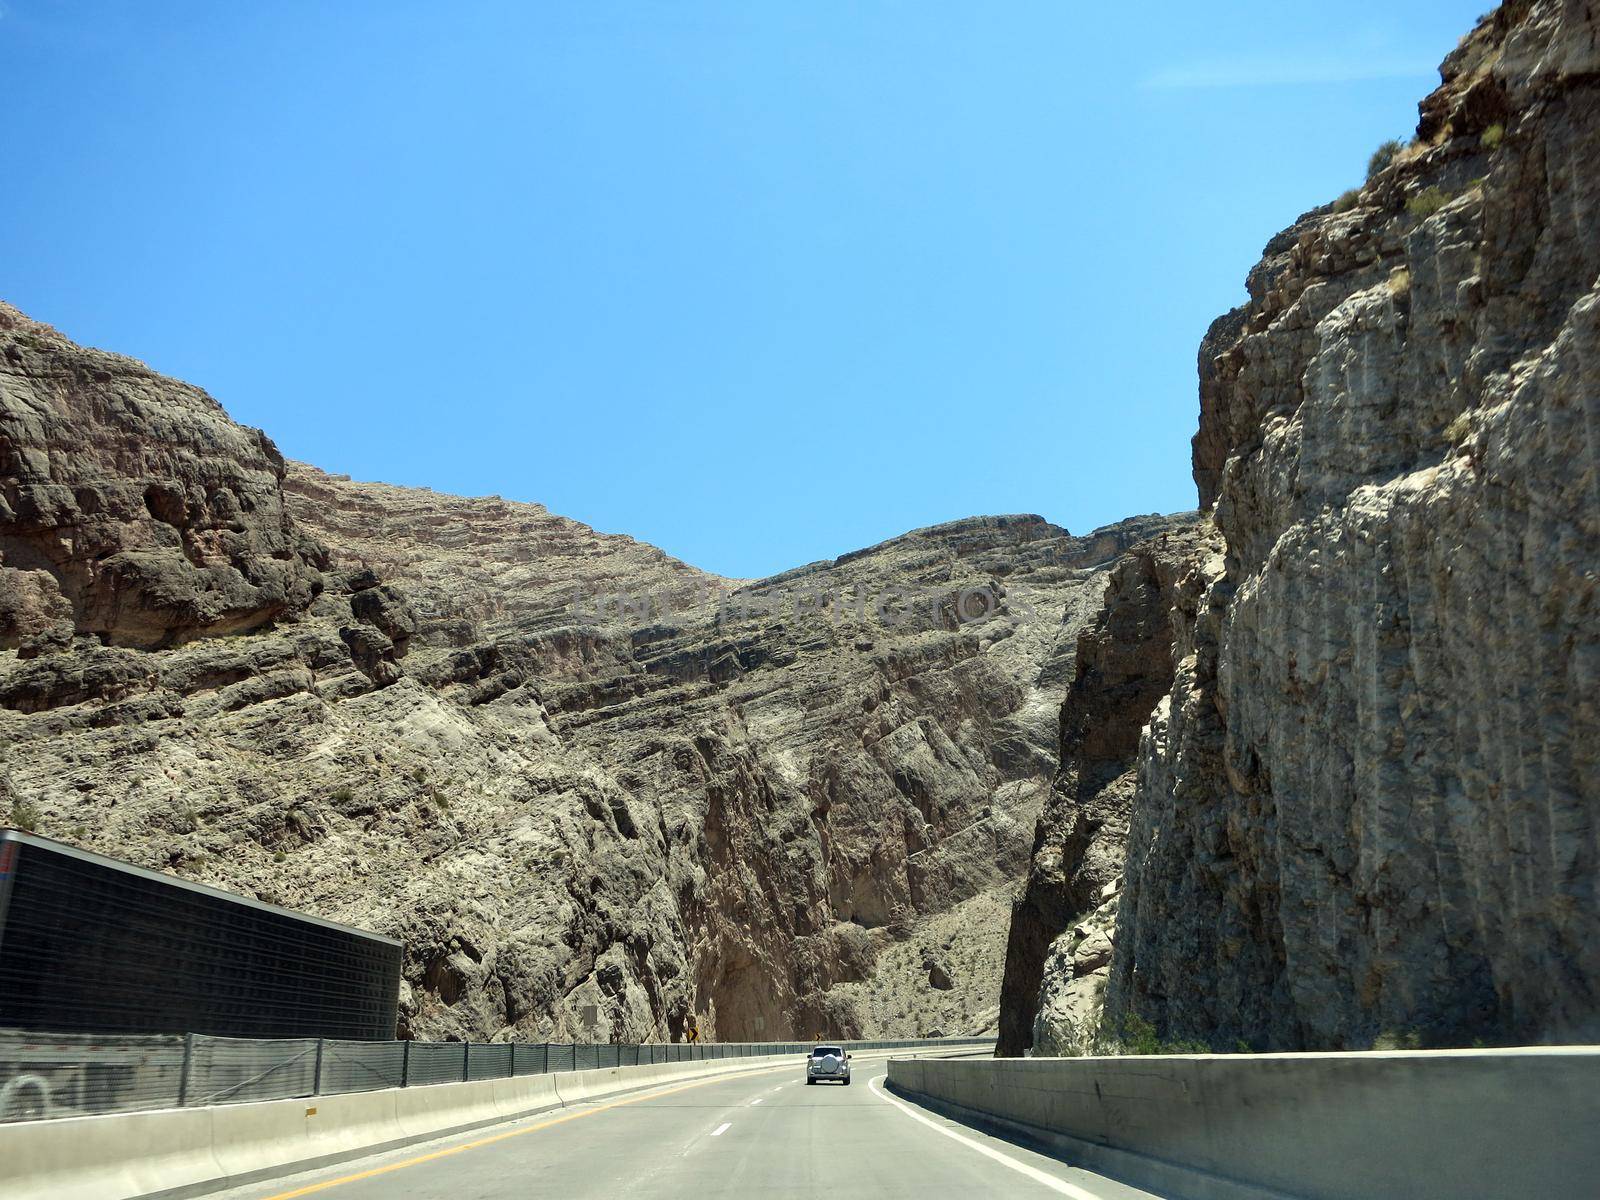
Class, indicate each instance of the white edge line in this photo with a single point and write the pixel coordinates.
(1042, 1177)
(721, 1129)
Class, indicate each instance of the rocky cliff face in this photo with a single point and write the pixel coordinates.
(133, 510)
(595, 791)
(1123, 668)
(1368, 803)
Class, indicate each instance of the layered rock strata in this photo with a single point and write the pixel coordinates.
(596, 792)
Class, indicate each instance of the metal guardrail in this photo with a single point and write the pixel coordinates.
(71, 1074)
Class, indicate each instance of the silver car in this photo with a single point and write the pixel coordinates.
(828, 1062)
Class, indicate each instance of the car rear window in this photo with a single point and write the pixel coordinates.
(824, 1051)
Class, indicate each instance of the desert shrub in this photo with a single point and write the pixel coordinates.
(1134, 1035)
(1493, 136)
(1382, 157)
(1400, 282)
(25, 816)
(343, 795)
(1398, 1039)
(1428, 201)
(1138, 1036)
(1347, 200)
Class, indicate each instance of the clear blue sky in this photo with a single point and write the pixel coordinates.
(758, 281)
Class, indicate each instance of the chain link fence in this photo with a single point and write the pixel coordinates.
(69, 1075)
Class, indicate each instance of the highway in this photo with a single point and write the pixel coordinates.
(762, 1133)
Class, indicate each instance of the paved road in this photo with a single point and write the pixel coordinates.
(755, 1134)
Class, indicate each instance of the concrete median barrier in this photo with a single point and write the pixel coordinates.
(253, 1141)
(93, 1158)
(525, 1094)
(1426, 1125)
(445, 1107)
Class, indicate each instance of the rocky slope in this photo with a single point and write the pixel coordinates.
(1124, 667)
(595, 791)
(472, 564)
(1368, 803)
(134, 510)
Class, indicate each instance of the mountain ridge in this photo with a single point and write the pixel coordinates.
(773, 807)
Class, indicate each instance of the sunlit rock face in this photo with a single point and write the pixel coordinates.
(1368, 804)
(596, 792)
(131, 508)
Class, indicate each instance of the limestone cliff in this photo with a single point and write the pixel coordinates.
(1368, 803)
(1123, 668)
(594, 790)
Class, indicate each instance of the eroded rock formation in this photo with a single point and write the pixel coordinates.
(134, 510)
(574, 775)
(1368, 804)
(1124, 667)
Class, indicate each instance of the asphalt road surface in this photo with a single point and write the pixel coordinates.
(761, 1133)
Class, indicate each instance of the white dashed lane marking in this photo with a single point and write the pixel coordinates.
(721, 1129)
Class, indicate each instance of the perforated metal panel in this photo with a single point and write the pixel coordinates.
(88, 944)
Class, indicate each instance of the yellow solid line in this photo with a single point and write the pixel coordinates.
(500, 1137)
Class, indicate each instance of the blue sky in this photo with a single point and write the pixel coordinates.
(760, 282)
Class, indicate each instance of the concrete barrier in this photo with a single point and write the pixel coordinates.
(525, 1094)
(124, 1154)
(428, 1111)
(1425, 1125)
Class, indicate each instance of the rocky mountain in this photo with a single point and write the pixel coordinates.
(1366, 806)
(595, 791)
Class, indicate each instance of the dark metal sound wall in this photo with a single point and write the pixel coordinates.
(88, 943)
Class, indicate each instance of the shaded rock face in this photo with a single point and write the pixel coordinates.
(572, 774)
(1123, 667)
(131, 508)
(1369, 802)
